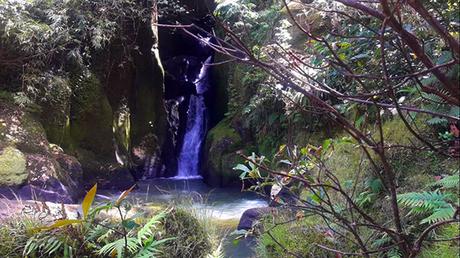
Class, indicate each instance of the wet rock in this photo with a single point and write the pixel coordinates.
(72, 166)
(251, 216)
(48, 181)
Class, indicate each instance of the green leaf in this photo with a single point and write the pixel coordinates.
(88, 200)
(376, 185)
(146, 230)
(448, 182)
(130, 224)
(437, 121)
(326, 144)
(150, 250)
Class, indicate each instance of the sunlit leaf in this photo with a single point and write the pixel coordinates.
(59, 224)
(123, 195)
(88, 200)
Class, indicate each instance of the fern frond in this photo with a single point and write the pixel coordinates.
(425, 200)
(118, 246)
(449, 182)
(150, 250)
(381, 241)
(146, 231)
(439, 215)
(97, 232)
(434, 98)
(437, 121)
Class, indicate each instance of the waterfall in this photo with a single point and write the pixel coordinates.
(189, 157)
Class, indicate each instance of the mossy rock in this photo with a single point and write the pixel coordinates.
(222, 143)
(223, 130)
(56, 108)
(91, 119)
(33, 139)
(190, 238)
(12, 167)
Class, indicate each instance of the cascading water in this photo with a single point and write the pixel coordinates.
(189, 157)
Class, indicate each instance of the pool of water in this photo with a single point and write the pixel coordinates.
(220, 203)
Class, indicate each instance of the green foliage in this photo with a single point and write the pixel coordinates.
(14, 234)
(435, 205)
(72, 35)
(253, 20)
(92, 235)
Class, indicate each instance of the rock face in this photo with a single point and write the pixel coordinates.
(114, 120)
(32, 166)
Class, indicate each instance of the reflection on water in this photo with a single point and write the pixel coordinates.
(218, 203)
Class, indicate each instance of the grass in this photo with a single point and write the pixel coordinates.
(15, 228)
(298, 236)
(444, 249)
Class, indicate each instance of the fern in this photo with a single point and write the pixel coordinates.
(43, 245)
(435, 204)
(118, 247)
(150, 249)
(146, 230)
(425, 200)
(449, 182)
(440, 214)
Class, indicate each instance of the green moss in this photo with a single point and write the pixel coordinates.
(56, 108)
(222, 143)
(228, 174)
(12, 167)
(268, 145)
(91, 118)
(396, 132)
(223, 130)
(6, 96)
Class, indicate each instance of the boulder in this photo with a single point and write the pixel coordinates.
(251, 216)
(222, 144)
(29, 166)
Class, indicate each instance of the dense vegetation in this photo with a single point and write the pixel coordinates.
(344, 114)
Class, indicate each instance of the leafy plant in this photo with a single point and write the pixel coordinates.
(126, 237)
